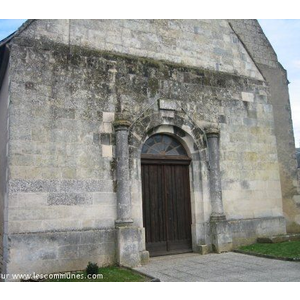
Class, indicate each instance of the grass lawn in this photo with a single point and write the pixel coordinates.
(280, 250)
(110, 274)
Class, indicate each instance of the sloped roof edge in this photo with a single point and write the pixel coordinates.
(17, 32)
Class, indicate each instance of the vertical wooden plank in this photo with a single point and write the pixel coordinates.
(176, 201)
(165, 198)
(145, 188)
(152, 184)
(161, 210)
(188, 213)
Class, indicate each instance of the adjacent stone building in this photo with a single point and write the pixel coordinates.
(124, 137)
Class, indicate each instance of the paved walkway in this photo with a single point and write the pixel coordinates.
(228, 267)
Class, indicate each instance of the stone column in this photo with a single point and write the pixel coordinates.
(221, 237)
(130, 246)
(215, 176)
(123, 183)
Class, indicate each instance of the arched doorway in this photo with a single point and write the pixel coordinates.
(166, 196)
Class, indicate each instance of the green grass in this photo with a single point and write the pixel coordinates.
(279, 250)
(110, 274)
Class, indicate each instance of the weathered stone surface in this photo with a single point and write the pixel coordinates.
(203, 249)
(130, 251)
(276, 76)
(4, 133)
(61, 251)
(279, 238)
(69, 199)
(246, 231)
(221, 236)
(71, 169)
(48, 186)
(168, 104)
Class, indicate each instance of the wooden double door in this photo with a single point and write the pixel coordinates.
(166, 206)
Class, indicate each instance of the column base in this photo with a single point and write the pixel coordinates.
(123, 223)
(130, 252)
(221, 237)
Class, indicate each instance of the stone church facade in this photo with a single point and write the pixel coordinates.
(121, 138)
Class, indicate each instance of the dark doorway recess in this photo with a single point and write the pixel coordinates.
(166, 196)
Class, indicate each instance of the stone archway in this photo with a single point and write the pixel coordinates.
(209, 224)
(193, 141)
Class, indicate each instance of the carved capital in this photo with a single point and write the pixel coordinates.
(212, 132)
(121, 125)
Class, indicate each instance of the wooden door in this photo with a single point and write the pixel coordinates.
(166, 205)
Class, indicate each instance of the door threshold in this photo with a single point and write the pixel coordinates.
(174, 252)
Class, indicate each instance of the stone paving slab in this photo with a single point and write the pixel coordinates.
(228, 267)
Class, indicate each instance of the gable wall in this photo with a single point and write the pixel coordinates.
(61, 155)
(262, 52)
(187, 42)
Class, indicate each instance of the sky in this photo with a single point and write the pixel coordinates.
(284, 35)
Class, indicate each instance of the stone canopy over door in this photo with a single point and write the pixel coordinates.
(166, 196)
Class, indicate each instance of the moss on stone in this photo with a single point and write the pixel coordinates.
(73, 53)
(153, 85)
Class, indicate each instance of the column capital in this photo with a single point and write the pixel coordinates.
(212, 132)
(121, 125)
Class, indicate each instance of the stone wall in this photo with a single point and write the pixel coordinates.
(4, 98)
(64, 98)
(263, 54)
(188, 42)
(246, 231)
(60, 251)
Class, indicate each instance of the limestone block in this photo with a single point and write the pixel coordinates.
(108, 117)
(203, 249)
(296, 199)
(106, 128)
(104, 198)
(28, 200)
(249, 97)
(168, 104)
(61, 251)
(107, 151)
(221, 236)
(144, 257)
(128, 253)
(69, 199)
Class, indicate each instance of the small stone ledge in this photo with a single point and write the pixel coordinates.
(279, 238)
